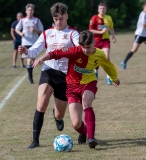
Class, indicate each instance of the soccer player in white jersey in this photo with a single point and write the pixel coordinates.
(140, 36)
(53, 75)
(32, 27)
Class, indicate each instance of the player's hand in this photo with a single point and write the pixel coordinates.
(22, 49)
(117, 83)
(22, 34)
(104, 30)
(37, 62)
(31, 29)
(113, 39)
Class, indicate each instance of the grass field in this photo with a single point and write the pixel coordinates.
(120, 112)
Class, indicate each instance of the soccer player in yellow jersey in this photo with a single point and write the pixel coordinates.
(81, 81)
(100, 25)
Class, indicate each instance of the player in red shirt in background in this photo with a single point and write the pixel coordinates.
(100, 25)
(81, 80)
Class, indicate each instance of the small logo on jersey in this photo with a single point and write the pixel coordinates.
(90, 22)
(99, 21)
(95, 62)
(64, 49)
(52, 36)
(79, 60)
(65, 36)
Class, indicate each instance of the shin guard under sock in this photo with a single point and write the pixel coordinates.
(82, 130)
(37, 124)
(129, 55)
(90, 121)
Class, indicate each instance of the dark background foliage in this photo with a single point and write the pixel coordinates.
(124, 13)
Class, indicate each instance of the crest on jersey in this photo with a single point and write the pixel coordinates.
(64, 49)
(52, 36)
(79, 60)
(65, 36)
(99, 21)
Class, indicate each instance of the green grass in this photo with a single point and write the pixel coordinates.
(120, 112)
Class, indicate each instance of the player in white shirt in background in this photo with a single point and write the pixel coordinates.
(32, 27)
(53, 75)
(140, 36)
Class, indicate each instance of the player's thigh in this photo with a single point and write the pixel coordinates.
(75, 111)
(30, 61)
(44, 93)
(107, 52)
(87, 99)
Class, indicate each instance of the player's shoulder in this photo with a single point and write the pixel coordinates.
(72, 30)
(35, 18)
(50, 30)
(14, 23)
(100, 52)
(108, 16)
(94, 16)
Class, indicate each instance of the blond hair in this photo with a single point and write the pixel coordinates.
(30, 6)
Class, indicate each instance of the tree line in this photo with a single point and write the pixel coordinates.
(124, 13)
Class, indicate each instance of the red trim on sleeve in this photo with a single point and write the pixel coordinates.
(44, 34)
(71, 38)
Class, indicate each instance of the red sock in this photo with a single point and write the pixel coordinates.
(90, 121)
(82, 130)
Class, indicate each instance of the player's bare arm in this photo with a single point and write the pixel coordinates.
(32, 29)
(19, 32)
(113, 35)
(22, 49)
(99, 32)
(41, 60)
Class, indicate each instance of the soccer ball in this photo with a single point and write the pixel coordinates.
(63, 143)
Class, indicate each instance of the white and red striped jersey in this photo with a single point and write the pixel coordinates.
(52, 39)
(25, 25)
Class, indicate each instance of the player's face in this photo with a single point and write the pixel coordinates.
(60, 21)
(29, 12)
(88, 49)
(144, 8)
(19, 16)
(102, 10)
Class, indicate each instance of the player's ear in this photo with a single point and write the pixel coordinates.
(66, 16)
(94, 42)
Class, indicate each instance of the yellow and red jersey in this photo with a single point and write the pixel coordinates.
(81, 67)
(98, 22)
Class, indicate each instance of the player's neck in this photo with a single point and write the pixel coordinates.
(101, 15)
(60, 28)
(29, 17)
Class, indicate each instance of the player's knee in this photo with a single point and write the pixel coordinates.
(41, 107)
(76, 124)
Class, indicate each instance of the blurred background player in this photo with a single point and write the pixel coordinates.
(17, 40)
(140, 36)
(32, 27)
(100, 25)
(53, 75)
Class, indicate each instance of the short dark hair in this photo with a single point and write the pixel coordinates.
(102, 4)
(58, 8)
(86, 38)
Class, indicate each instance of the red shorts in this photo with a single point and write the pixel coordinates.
(103, 43)
(74, 92)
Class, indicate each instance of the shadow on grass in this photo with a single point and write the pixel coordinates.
(120, 143)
